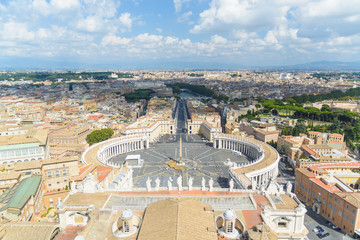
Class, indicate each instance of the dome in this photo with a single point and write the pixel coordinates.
(126, 214)
(229, 214)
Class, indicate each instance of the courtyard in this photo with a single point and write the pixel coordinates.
(199, 157)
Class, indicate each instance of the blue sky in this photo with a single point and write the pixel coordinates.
(145, 34)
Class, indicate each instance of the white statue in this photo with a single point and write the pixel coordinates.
(72, 187)
(179, 183)
(157, 182)
(148, 184)
(60, 204)
(170, 184)
(191, 180)
(79, 187)
(231, 185)
(203, 188)
(106, 183)
(211, 185)
(89, 184)
(253, 185)
(99, 187)
(288, 187)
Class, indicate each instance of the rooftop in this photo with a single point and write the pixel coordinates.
(178, 219)
(29, 230)
(19, 194)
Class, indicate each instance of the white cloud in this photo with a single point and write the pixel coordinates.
(90, 24)
(178, 4)
(218, 39)
(330, 8)
(353, 18)
(65, 4)
(225, 15)
(102, 8)
(242, 34)
(2, 7)
(184, 17)
(114, 40)
(41, 6)
(126, 20)
(17, 31)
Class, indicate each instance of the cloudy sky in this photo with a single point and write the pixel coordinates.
(147, 34)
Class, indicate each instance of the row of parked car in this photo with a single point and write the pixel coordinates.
(320, 232)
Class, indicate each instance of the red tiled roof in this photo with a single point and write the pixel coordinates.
(70, 233)
(314, 132)
(84, 168)
(336, 134)
(330, 188)
(315, 167)
(102, 172)
(310, 151)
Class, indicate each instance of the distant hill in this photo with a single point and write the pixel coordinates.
(162, 64)
(323, 66)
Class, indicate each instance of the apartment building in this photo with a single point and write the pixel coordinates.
(332, 191)
(24, 147)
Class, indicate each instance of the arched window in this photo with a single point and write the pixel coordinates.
(126, 227)
(229, 227)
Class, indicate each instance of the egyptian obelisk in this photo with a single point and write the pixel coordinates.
(180, 152)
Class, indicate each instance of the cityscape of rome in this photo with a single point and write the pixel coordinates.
(179, 120)
(151, 155)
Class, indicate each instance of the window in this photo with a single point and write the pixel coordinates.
(282, 225)
(339, 212)
(347, 206)
(329, 206)
(353, 211)
(341, 203)
(229, 227)
(57, 172)
(323, 201)
(334, 208)
(64, 171)
(336, 199)
(126, 227)
(49, 174)
(352, 221)
(346, 217)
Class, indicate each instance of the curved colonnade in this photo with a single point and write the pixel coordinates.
(261, 169)
(106, 150)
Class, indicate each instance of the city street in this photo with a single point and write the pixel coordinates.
(285, 173)
(312, 220)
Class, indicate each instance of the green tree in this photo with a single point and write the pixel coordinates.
(99, 135)
(325, 108)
